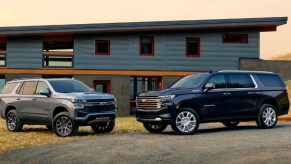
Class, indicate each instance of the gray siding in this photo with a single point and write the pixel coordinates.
(170, 52)
(24, 52)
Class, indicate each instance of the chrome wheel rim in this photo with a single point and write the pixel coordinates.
(11, 121)
(269, 116)
(186, 121)
(64, 125)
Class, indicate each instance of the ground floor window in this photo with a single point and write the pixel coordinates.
(2, 82)
(142, 84)
(102, 86)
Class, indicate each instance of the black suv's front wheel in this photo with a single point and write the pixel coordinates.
(267, 117)
(103, 127)
(63, 125)
(186, 121)
(154, 127)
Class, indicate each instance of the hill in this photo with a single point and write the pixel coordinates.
(282, 57)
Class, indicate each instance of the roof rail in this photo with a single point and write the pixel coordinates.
(245, 71)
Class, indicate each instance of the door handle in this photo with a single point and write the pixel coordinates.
(18, 99)
(226, 93)
(34, 99)
(251, 93)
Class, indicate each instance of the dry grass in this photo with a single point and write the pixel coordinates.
(39, 135)
(283, 57)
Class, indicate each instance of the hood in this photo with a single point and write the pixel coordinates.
(170, 91)
(85, 95)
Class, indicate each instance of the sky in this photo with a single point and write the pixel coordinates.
(52, 12)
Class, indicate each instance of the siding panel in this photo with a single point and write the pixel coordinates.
(24, 52)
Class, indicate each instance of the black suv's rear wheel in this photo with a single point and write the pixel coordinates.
(103, 127)
(230, 124)
(267, 117)
(186, 121)
(63, 125)
(154, 127)
(12, 121)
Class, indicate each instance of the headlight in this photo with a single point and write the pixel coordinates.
(78, 103)
(166, 98)
(115, 102)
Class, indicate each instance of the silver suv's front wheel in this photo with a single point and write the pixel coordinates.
(186, 121)
(63, 125)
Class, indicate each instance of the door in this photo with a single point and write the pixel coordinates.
(239, 100)
(102, 86)
(212, 99)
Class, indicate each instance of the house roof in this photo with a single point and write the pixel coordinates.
(264, 24)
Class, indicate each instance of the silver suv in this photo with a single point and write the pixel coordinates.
(61, 104)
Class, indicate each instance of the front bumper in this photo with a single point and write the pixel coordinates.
(89, 118)
(161, 115)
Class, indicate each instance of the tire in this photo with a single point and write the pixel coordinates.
(103, 127)
(230, 124)
(186, 121)
(12, 121)
(267, 117)
(63, 125)
(49, 127)
(154, 128)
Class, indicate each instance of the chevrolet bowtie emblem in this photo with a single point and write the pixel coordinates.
(143, 100)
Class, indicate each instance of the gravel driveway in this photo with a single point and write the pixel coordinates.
(212, 144)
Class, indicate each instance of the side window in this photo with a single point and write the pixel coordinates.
(27, 88)
(271, 80)
(40, 86)
(218, 80)
(239, 81)
(9, 88)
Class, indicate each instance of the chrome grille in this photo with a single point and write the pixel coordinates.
(148, 102)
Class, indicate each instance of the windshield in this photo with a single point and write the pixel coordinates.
(68, 86)
(190, 81)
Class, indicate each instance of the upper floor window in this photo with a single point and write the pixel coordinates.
(102, 47)
(58, 61)
(2, 52)
(192, 47)
(235, 38)
(146, 46)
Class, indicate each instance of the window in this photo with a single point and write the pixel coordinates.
(9, 88)
(2, 59)
(2, 52)
(102, 47)
(146, 47)
(218, 80)
(235, 38)
(69, 86)
(40, 86)
(57, 61)
(192, 47)
(239, 81)
(271, 80)
(190, 81)
(102, 86)
(27, 88)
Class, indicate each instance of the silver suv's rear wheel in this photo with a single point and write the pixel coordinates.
(267, 117)
(63, 125)
(12, 121)
(186, 121)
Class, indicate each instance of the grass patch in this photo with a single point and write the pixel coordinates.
(34, 135)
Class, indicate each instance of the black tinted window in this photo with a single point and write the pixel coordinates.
(218, 80)
(190, 81)
(40, 86)
(271, 80)
(27, 88)
(8, 88)
(239, 81)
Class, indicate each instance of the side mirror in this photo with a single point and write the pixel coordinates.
(45, 92)
(209, 86)
(92, 89)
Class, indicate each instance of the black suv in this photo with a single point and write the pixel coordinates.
(61, 104)
(226, 96)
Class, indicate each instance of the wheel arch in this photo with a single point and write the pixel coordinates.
(59, 109)
(193, 105)
(9, 108)
(270, 101)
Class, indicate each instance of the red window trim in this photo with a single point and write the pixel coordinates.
(153, 46)
(107, 82)
(96, 47)
(192, 55)
(245, 41)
